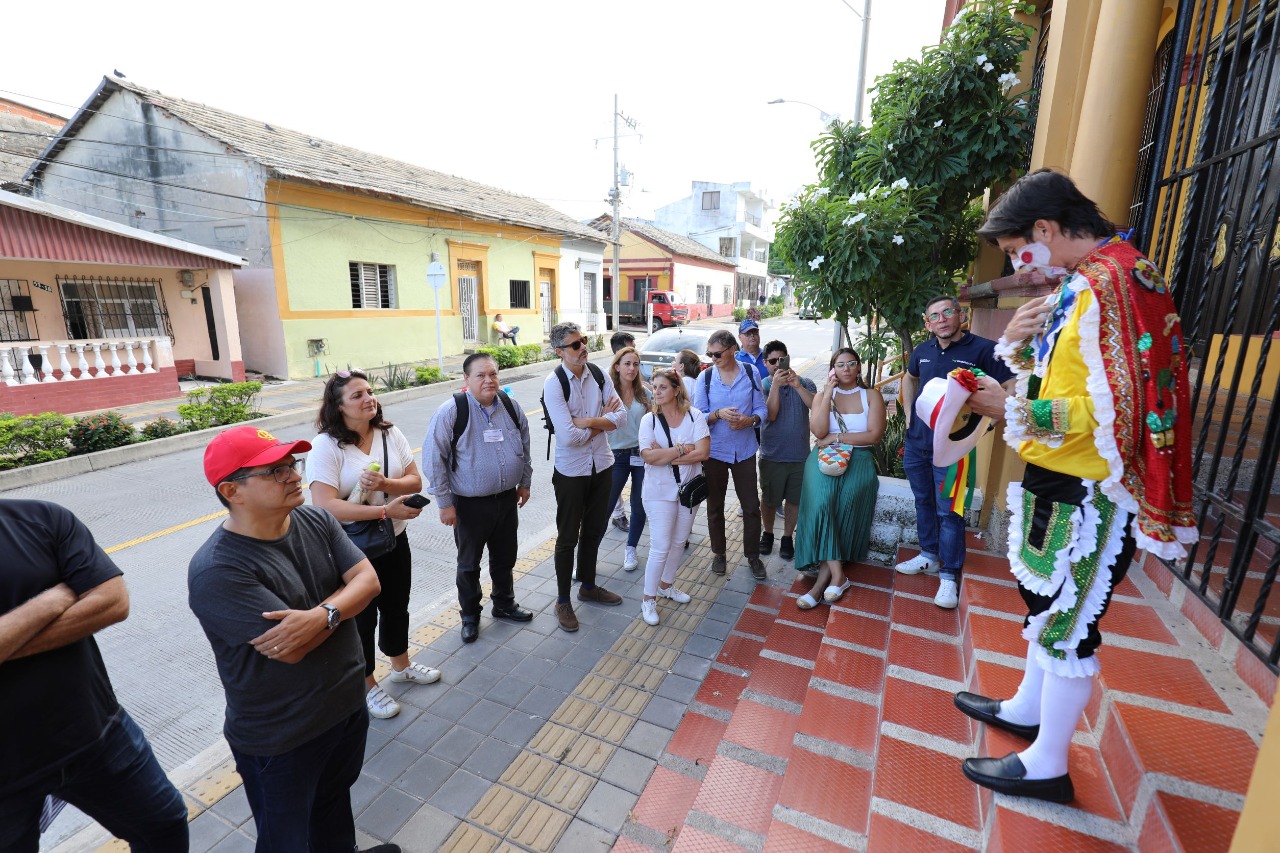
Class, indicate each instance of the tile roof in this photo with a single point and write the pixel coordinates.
(290, 154)
(672, 242)
(21, 141)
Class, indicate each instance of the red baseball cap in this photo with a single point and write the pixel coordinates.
(245, 447)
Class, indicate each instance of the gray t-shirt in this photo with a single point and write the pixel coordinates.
(786, 439)
(273, 707)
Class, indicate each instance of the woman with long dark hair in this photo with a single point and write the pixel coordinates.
(353, 435)
(624, 442)
(835, 512)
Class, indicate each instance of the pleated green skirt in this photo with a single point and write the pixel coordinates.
(836, 512)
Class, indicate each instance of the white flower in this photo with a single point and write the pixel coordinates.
(856, 218)
(822, 190)
(988, 67)
(938, 123)
(889, 146)
(1020, 104)
(816, 262)
(959, 15)
(897, 240)
(981, 58)
(1008, 80)
(900, 184)
(857, 197)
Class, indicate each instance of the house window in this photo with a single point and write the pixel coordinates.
(102, 307)
(726, 247)
(17, 314)
(520, 294)
(711, 200)
(641, 287)
(704, 294)
(372, 285)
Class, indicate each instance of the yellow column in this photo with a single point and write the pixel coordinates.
(1062, 90)
(1110, 130)
(1259, 824)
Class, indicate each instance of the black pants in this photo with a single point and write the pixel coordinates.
(744, 483)
(395, 571)
(493, 521)
(582, 516)
(1063, 488)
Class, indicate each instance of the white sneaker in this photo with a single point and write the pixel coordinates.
(917, 564)
(674, 594)
(417, 673)
(948, 594)
(649, 611)
(629, 559)
(380, 704)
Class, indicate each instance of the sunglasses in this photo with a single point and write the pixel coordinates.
(575, 346)
(281, 473)
(347, 374)
(773, 360)
(938, 315)
(846, 364)
(715, 355)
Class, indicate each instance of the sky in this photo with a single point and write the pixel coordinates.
(518, 95)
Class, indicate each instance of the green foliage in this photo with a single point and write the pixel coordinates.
(219, 405)
(739, 314)
(891, 221)
(597, 343)
(506, 357)
(776, 299)
(161, 428)
(429, 375)
(888, 453)
(393, 377)
(531, 353)
(101, 431)
(29, 439)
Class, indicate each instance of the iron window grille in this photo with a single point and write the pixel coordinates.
(17, 314)
(109, 307)
(519, 296)
(372, 285)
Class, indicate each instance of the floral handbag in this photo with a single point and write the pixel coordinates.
(833, 460)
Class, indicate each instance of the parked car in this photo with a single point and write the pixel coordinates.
(660, 349)
(669, 309)
(809, 312)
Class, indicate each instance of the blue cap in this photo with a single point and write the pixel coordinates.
(747, 325)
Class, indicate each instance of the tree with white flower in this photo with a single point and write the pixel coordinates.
(892, 219)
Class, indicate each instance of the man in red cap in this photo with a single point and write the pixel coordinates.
(275, 589)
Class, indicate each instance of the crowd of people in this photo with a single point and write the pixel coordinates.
(290, 596)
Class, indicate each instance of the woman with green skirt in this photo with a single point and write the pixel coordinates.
(836, 512)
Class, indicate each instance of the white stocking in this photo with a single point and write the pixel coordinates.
(1024, 707)
(1062, 702)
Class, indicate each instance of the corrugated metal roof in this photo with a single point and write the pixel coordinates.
(37, 230)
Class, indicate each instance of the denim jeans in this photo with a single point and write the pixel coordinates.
(622, 469)
(117, 782)
(940, 531)
(301, 799)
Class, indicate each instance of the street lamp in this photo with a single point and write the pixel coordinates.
(436, 278)
(827, 117)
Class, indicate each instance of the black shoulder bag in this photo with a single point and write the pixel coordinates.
(694, 490)
(374, 536)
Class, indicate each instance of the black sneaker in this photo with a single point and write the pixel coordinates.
(766, 543)
(787, 550)
(757, 568)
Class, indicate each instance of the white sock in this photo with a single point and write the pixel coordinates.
(1062, 701)
(1024, 707)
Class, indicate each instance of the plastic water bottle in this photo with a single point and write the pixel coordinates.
(358, 494)
(506, 389)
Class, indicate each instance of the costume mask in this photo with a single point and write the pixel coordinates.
(1035, 256)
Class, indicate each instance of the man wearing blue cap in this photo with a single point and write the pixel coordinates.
(750, 352)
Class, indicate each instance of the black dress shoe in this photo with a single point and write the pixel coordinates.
(984, 710)
(787, 550)
(470, 630)
(766, 543)
(1005, 776)
(515, 613)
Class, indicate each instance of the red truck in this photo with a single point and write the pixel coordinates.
(669, 309)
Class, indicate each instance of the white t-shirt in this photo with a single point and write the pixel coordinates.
(341, 467)
(689, 386)
(659, 482)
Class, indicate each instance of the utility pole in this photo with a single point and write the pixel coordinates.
(859, 89)
(615, 198)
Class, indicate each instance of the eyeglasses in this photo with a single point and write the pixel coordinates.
(773, 360)
(575, 346)
(715, 355)
(846, 364)
(281, 473)
(938, 315)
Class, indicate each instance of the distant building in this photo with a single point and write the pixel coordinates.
(24, 132)
(337, 240)
(732, 220)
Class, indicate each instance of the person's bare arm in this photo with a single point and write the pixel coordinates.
(28, 619)
(299, 632)
(773, 402)
(103, 605)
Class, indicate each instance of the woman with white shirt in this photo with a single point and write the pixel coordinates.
(669, 522)
(353, 434)
(625, 372)
(689, 366)
(836, 512)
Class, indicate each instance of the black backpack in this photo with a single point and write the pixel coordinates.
(563, 376)
(464, 415)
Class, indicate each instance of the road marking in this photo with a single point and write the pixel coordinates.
(183, 526)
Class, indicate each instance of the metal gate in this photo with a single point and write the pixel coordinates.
(544, 302)
(589, 302)
(467, 307)
(1208, 216)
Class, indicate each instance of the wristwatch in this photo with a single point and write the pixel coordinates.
(335, 616)
(758, 421)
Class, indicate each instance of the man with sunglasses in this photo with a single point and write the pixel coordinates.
(939, 530)
(276, 588)
(582, 406)
(749, 335)
(784, 447)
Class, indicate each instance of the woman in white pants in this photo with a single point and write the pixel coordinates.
(688, 444)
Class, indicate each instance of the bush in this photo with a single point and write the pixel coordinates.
(531, 353)
(596, 343)
(29, 439)
(393, 377)
(102, 431)
(888, 453)
(506, 357)
(219, 405)
(161, 428)
(776, 299)
(739, 314)
(428, 375)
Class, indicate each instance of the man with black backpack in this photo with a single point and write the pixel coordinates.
(477, 456)
(580, 407)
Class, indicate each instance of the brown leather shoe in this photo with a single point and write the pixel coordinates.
(718, 564)
(568, 620)
(599, 595)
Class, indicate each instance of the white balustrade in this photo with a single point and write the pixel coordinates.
(99, 366)
(24, 362)
(115, 358)
(46, 366)
(67, 361)
(146, 356)
(64, 366)
(6, 369)
(81, 364)
(130, 360)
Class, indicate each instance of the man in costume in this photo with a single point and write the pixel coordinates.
(1100, 415)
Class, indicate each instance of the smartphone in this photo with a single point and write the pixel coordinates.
(831, 375)
(417, 501)
(784, 362)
